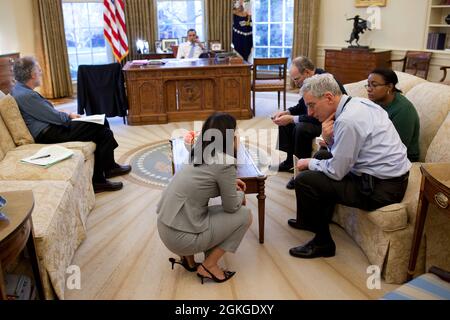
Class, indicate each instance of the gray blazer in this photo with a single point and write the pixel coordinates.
(184, 203)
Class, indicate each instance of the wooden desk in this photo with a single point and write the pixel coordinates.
(435, 189)
(187, 90)
(154, 55)
(354, 65)
(18, 233)
(247, 171)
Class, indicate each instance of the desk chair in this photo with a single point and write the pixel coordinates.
(416, 63)
(444, 70)
(266, 79)
(101, 90)
(174, 50)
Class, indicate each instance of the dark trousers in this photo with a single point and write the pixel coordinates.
(297, 139)
(318, 194)
(101, 135)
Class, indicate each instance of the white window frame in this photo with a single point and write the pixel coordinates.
(269, 23)
(203, 18)
(109, 53)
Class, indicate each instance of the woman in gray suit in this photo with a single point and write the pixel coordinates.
(186, 224)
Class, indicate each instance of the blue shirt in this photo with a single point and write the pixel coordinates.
(365, 141)
(37, 112)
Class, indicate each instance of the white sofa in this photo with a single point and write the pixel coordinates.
(63, 194)
(385, 235)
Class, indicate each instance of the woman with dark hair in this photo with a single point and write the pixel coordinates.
(381, 89)
(186, 224)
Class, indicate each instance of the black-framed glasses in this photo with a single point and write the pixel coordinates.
(374, 85)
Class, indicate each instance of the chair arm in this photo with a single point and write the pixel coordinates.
(445, 73)
(397, 60)
(443, 274)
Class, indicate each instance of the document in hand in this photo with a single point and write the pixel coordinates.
(48, 156)
(95, 118)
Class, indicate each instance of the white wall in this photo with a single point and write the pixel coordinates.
(403, 27)
(16, 27)
(402, 24)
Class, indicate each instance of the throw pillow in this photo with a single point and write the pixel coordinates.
(439, 150)
(14, 121)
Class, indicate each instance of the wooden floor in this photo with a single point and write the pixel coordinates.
(123, 257)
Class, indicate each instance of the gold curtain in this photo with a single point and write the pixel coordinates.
(219, 15)
(140, 19)
(51, 49)
(306, 20)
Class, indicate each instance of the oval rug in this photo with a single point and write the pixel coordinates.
(152, 163)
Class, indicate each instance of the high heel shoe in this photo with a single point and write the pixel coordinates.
(227, 274)
(184, 263)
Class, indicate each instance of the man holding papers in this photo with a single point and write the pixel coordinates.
(47, 125)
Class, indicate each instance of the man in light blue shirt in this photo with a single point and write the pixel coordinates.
(369, 168)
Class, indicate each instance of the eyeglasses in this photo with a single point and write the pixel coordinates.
(374, 85)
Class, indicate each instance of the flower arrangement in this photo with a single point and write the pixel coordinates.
(190, 138)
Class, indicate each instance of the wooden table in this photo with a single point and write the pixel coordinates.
(352, 65)
(247, 171)
(186, 90)
(435, 189)
(18, 234)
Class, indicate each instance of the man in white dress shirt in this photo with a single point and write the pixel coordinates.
(369, 168)
(192, 48)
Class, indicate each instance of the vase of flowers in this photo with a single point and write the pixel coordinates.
(190, 138)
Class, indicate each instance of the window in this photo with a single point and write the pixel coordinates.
(273, 28)
(83, 25)
(176, 17)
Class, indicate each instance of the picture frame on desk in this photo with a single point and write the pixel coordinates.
(369, 3)
(215, 46)
(166, 44)
(158, 46)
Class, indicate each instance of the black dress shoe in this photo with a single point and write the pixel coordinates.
(313, 250)
(285, 167)
(107, 186)
(291, 184)
(118, 171)
(301, 226)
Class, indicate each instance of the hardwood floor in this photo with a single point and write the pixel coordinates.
(123, 257)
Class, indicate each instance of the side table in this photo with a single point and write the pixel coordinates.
(18, 234)
(434, 189)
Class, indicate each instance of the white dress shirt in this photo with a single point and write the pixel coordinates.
(185, 48)
(365, 141)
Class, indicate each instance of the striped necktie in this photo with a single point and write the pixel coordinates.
(191, 52)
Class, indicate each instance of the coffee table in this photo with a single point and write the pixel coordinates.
(247, 171)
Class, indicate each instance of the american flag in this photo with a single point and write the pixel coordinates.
(115, 30)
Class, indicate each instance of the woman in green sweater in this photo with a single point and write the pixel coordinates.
(381, 90)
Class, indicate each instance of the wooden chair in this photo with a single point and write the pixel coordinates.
(416, 63)
(269, 80)
(444, 69)
(174, 50)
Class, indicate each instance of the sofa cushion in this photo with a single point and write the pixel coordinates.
(67, 170)
(6, 141)
(432, 102)
(87, 148)
(405, 83)
(14, 121)
(2, 154)
(439, 150)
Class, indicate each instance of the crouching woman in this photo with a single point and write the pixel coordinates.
(186, 224)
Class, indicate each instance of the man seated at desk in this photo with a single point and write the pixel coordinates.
(192, 48)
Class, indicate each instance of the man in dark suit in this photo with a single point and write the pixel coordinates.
(296, 128)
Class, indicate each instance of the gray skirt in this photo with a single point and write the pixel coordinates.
(225, 230)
